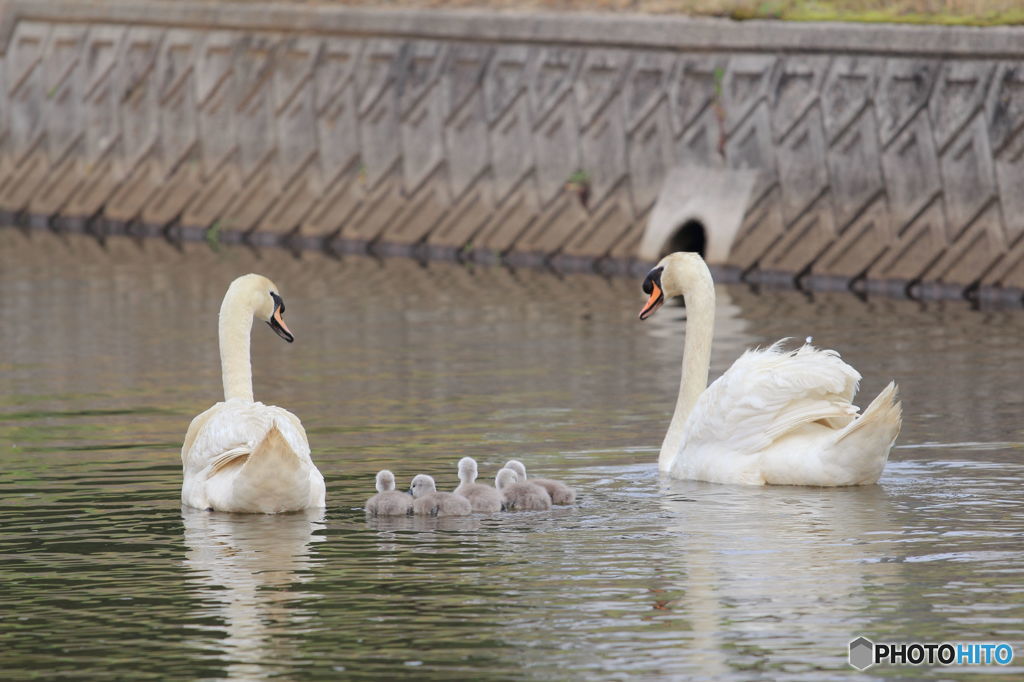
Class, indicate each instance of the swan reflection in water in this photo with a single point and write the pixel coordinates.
(778, 564)
(247, 571)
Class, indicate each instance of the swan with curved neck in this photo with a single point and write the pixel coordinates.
(248, 297)
(775, 416)
(241, 455)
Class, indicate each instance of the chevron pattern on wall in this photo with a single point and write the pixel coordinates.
(871, 168)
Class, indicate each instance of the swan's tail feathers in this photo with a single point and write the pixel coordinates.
(883, 410)
(273, 478)
(862, 448)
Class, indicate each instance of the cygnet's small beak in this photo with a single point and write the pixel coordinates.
(652, 286)
(276, 320)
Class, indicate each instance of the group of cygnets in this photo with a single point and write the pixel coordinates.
(514, 492)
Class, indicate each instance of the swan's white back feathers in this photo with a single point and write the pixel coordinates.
(769, 392)
(775, 416)
(239, 423)
(230, 432)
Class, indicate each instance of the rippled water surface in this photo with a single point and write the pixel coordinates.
(108, 350)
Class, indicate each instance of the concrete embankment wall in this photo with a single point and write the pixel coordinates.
(877, 156)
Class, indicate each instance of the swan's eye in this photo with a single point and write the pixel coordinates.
(278, 302)
(652, 277)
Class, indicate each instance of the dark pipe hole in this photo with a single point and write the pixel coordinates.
(689, 237)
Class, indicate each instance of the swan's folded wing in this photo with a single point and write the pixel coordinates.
(226, 459)
(294, 433)
(231, 426)
(769, 392)
(194, 429)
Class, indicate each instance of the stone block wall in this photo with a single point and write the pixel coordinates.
(884, 155)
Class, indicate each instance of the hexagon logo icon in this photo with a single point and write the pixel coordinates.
(862, 653)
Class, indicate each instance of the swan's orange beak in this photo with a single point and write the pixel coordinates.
(276, 320)
(652, 286)
(278, 325)
(653, 303)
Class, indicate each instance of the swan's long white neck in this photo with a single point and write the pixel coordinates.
(700, 330)
(235, 328)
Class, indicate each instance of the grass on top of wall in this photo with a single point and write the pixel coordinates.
(948, 12)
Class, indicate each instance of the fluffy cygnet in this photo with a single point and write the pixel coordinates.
(560, 493)
(483, 498)
(429, 502)
(388, 501)
(521, 496)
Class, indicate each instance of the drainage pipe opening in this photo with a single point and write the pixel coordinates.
(690, 236)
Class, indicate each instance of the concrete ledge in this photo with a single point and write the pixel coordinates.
(631, 31)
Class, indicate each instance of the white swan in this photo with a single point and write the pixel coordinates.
(775, 416)
(241, 455)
